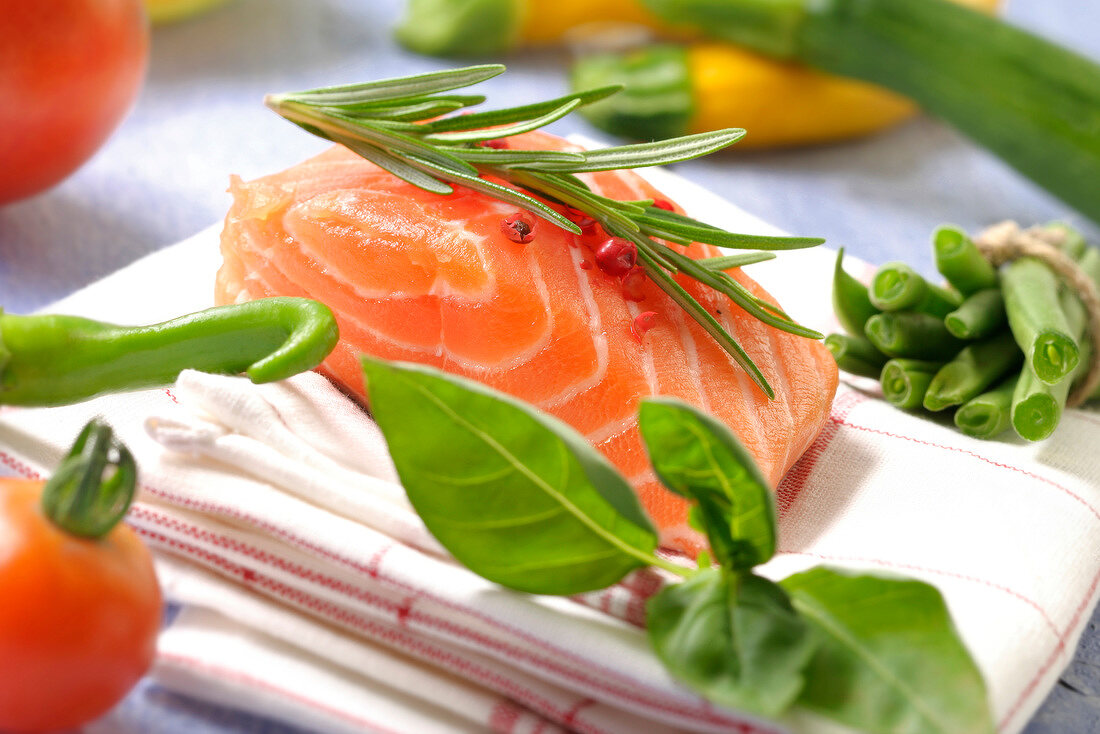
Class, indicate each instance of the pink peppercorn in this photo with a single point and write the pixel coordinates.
(643, 322)
(662, 204)
(519, 228)
(497, 143)
(616, 256)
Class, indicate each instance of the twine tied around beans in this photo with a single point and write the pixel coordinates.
(1006, 241)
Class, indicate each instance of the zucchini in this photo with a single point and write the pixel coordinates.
(1028, 100)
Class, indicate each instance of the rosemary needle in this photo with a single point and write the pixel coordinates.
(406, 126)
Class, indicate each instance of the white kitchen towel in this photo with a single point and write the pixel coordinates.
(1009, 532)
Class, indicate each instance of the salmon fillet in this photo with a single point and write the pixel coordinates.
(420, 277)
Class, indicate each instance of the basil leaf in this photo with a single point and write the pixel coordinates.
(890, 659)
(734, 638)
(515, 495)
(698, 457)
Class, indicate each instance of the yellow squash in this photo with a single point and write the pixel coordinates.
(786, 103)
(779, 103)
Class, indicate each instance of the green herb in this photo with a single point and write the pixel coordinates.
(389, 123)
(512, 493)
(733, 637)
(521, 499)
(697, 457)
(890, 659)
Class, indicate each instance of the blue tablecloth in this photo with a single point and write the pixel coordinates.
(200, 117)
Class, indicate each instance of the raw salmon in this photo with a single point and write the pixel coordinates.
(421, 277)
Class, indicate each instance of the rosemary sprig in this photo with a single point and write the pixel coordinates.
(402, 125)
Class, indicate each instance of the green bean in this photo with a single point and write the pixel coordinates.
(1037, 319)
(855, 355)
(959, 260)
(980, 315)
(850, 300)
(1074, 244)
(897, 287)
(990, 414)
(973, 370)
(1089, 262)
(1037, 405)
(904, 381)
(913, 335)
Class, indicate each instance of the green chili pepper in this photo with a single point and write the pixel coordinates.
(973, 370)
(913, 335)
(855, 355)
(57, 360)
(905, 381)
(981, 314)
(850, 299)
(959, 260)
(990, 414)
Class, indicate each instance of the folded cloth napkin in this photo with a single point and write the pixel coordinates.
(313, 593)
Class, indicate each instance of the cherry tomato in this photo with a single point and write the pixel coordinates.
(78, 618)
(69, 70)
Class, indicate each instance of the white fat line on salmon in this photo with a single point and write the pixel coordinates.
(768, 359)
(595, 332)
(438, 350)
(340, 207)
(649, 369)
(692, 352)
(644, 476)
(780, 381)
(721, 306)
(613, 429)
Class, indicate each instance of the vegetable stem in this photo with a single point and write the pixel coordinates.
(80, 497)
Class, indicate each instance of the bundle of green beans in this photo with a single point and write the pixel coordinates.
(1001, 346)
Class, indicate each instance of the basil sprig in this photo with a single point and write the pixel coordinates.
(523, 500)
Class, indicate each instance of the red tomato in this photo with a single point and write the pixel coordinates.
(78, 618)
(69, 70)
